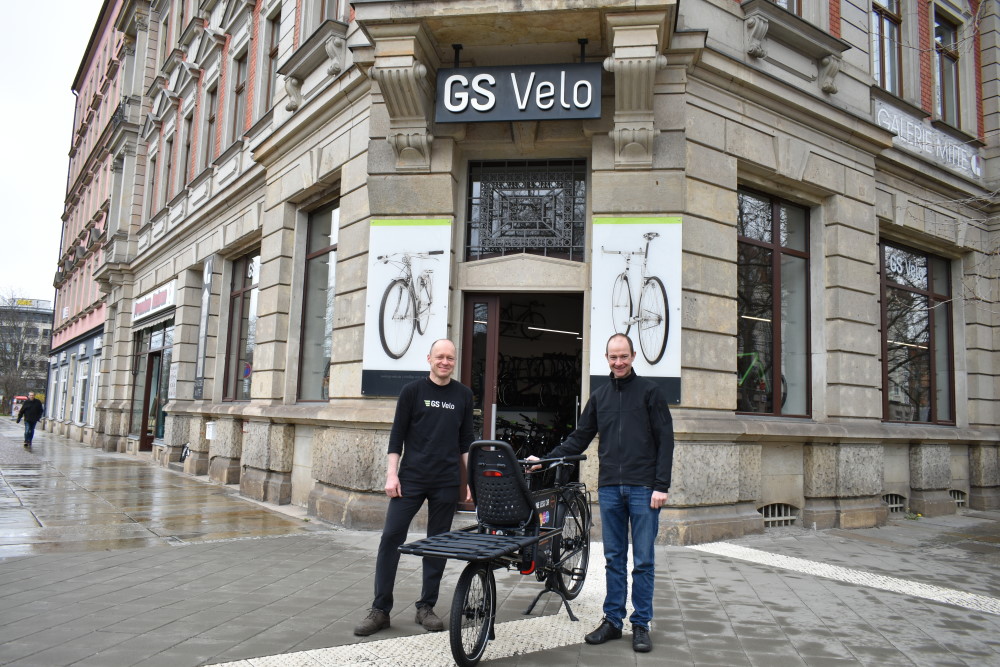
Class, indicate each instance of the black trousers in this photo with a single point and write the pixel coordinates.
(441, 505)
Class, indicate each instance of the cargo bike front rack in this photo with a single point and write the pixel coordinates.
(535, 522)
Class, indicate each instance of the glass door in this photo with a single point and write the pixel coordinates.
(152, 406)
(479, 360)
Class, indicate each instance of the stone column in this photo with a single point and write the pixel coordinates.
(349, 467)
(984, 476)
(225, 449)
(930, 478)
(119, 390)
(842, 485)
(267, 462)
(196, 462)
(712, 492)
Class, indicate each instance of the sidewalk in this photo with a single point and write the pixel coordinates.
(108, 560)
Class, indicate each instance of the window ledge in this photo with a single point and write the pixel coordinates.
(957, 133)
(315, 51)
(785, 27)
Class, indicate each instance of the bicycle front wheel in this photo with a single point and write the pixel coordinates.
(472, 611)
(396, 318)
(423, 306)
(621, 305)
(654, 320)
(574, 546)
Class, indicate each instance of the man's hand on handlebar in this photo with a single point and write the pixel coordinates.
(534, 467)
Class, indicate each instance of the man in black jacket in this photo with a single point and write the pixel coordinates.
(432, 431)
(636, 451)
(31, 411)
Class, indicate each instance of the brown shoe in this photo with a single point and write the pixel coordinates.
(375, 620)
(427, 618)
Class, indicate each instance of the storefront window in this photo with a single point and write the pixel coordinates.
(772, 306)
(520, 206)
(82, 396)
(152, 350)
(317, 311)
(916, 338)
(242, 327)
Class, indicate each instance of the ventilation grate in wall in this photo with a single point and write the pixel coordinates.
(958, 497)
(778, 514)
(896, 502)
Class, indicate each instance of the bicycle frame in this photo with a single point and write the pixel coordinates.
(651, 310)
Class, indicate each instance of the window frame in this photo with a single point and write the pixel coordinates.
(934, 300)
(945, 54)
(241, 71)
(246, 288)
(881, 15)
(272, 50)
(777, 253)
(209, 118)
(334, 209)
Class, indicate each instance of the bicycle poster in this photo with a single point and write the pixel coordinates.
(636, 291)
(406, 307)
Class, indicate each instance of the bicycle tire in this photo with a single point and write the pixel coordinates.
(654, 319)
(423, 317)
(473, 609)
(573, 545)
(396, 332)
(621, 305)
(530, 319)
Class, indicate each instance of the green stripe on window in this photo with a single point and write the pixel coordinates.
(407, 222)
(669, 220)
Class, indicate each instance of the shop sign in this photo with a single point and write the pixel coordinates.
(917, 136)
(153, 302)
(522, 92)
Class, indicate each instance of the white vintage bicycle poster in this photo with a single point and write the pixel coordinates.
(636, 290)
(407, 300)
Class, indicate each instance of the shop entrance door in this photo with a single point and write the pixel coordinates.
(152, 426)
(522, 358)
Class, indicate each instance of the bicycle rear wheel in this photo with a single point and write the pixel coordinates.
(654, 320)
(395, 318)
(574, 546)
(472, 612)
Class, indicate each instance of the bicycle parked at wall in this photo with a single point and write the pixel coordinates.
(406, 303)
(539, 531)
(650, 314)
(754, 384)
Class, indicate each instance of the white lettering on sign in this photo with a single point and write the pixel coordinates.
(458, 101)
(917, 136)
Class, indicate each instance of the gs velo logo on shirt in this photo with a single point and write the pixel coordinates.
(439, 404)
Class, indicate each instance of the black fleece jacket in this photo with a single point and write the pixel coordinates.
(32, 410)
(637, 434)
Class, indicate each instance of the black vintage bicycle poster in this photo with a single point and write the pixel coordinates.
(636, 291)
(407, 300)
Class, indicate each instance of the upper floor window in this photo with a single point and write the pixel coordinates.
(317, 309)
(916, 337)
(946, 64)
(886, 48)
(168, 168)
(208, 114)
(271, 75)
(239, 98)
(242, 336)
(772, 329)
(185, 164)
(151, 194)
(520, 206)
(793, 6)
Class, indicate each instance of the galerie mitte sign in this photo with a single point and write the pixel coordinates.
(522, 92)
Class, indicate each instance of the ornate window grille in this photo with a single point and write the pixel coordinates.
(778, 514)
(521, 206)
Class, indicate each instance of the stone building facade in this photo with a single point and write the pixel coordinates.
(795, 222)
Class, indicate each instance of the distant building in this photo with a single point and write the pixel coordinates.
(25, 333)
(80, 310)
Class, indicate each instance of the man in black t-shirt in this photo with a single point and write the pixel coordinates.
(430, 438)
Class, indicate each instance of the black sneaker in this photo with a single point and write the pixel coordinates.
(641, 643)
(604, 632)
(375, 620)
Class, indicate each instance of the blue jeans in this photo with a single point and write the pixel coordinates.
(29, 431)
(624, 508)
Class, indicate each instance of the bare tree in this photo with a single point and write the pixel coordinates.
(24, 345)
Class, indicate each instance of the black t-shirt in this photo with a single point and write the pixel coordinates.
(432, 429)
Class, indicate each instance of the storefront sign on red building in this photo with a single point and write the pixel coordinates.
(153, 302)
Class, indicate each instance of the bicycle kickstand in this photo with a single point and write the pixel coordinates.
(558, 592)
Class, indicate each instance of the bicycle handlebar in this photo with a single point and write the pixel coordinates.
(557, 460)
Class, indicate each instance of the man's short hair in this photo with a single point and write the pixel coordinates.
(447, 340)
(631, 348)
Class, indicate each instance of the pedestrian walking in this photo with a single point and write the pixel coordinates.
(636, 452)
(430, 438)
(31, 411)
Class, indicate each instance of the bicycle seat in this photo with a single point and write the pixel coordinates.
(498, 487)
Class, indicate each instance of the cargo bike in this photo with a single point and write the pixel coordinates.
(535, 522)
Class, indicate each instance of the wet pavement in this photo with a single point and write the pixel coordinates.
(107, 560)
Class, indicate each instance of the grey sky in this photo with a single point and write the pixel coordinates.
(41, 53)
